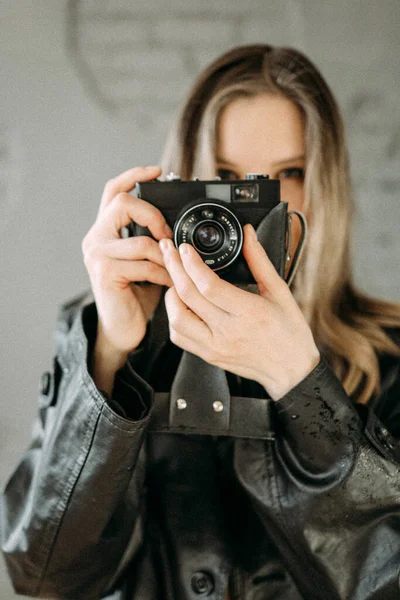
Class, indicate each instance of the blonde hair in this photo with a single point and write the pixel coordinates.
(347, 325)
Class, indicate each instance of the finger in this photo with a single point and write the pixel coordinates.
(185, 287)
(134, 248)
(191, 345)
(125, 208)
(183, 323)
(268, 280)
(112, 274)
(219, 292)
(147, 271)
(126, 181)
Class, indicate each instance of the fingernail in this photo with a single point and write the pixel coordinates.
(183, 249)
(252, 232)
(152, 167)
(164, 244)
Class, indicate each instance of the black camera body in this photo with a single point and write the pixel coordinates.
(210, 216)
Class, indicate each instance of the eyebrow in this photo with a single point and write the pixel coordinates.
(291, 159)
(219, 159)
(279, 162)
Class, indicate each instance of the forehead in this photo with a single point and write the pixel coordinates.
(267, 124)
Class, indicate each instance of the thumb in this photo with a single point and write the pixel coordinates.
(259, 264)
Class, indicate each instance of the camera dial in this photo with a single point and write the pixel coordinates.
(213, 230)
(172, 177)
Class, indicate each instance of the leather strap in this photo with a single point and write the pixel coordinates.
(200, 403)
(248, 418)
(195, 383)
(271, 233)
(300, 245)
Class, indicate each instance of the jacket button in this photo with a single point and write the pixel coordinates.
(45, 383)
(202, 583)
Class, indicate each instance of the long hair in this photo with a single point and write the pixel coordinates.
(347, 325)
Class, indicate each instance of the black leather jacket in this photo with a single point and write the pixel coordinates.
(137, 499)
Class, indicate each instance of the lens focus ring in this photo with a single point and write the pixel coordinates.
(218, 239)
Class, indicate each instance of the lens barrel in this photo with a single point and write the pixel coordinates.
(214, 231)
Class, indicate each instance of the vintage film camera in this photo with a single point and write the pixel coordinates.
(210, 216)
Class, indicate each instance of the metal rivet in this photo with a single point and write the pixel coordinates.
(181, 403)
(218, 406)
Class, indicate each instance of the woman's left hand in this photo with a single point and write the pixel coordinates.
(262, 337)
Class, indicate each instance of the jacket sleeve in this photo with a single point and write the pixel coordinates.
(72, 511)
(327, 489)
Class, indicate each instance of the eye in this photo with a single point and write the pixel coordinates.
(227, 175)
(292, 173)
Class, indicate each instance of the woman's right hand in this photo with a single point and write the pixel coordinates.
(115, 264)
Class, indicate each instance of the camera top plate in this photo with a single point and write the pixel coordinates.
(256, 191)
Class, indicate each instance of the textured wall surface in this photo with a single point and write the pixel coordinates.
(89, 88)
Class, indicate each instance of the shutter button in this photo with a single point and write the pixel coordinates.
(202, 583)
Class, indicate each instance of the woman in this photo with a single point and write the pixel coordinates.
(294, 494)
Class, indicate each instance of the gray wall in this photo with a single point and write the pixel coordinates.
(88, 88)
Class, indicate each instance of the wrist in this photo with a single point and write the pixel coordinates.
(290, 376)
(106, 360)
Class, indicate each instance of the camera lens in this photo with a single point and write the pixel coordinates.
(208, 236)
(214, 231)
